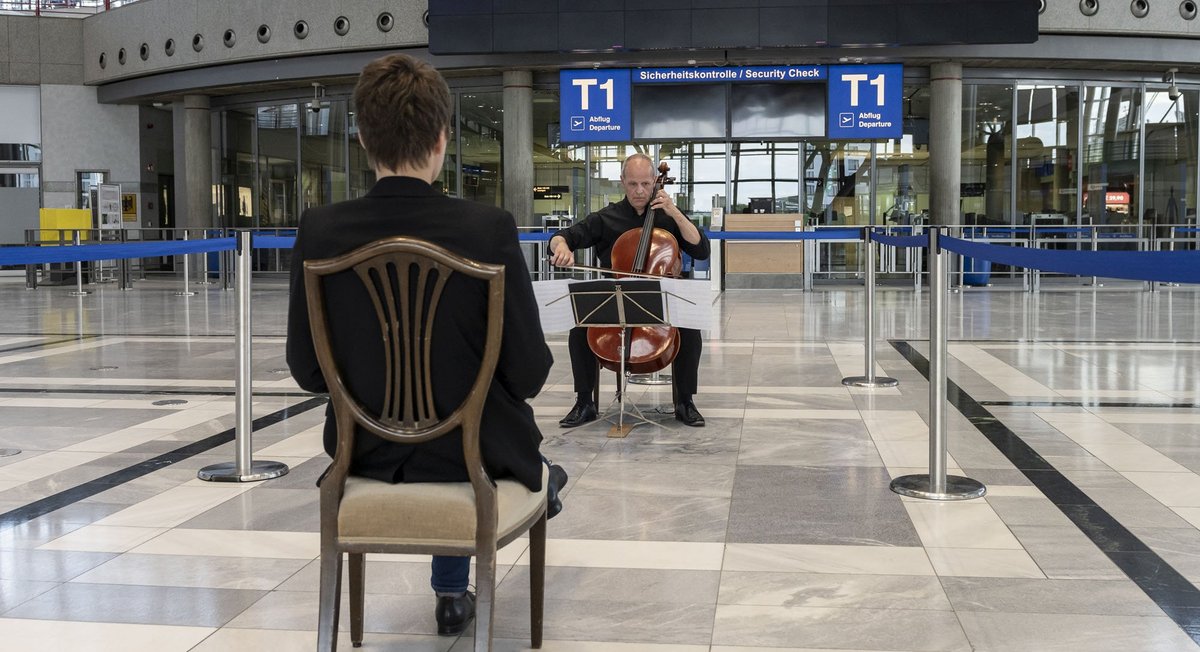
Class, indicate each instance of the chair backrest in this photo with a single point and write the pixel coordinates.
(405, 279)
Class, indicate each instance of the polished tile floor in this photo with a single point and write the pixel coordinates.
(771, 529)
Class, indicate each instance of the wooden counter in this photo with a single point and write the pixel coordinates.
(764, 257)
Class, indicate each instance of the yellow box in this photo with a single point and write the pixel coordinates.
(54, 219)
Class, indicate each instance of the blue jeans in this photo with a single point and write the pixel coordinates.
(450, 574)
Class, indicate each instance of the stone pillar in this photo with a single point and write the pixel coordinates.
(193, 163)
(945, 142)
(517, 167)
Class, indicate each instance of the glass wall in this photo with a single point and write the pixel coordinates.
(765, 177)
(323, 177)
(986, 154)
(277, 137)
(1047, 132)
(481, 142)
(1171, 125)
(1112, 118)
(1033, 152)
(902, 165)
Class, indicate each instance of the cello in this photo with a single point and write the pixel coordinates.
(642, 251)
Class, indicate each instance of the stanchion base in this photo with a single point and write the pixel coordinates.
(227, 471)
(920, 486)
(75, 293)
(9, 452)
(649, 379)
(185, 294)
(863, 381)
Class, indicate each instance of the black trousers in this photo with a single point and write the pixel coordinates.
(684, 371)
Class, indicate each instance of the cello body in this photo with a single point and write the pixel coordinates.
(644, 250)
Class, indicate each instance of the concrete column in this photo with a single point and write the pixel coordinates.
(945, 142)
(193, 162)
(517, 170)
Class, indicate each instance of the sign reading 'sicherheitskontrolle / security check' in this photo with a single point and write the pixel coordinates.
(864, 102)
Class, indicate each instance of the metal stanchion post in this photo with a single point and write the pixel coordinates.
(869, 379)
(123, 282)
(243, 468)
(31, 269)
(79, 291)
(186, 292)
(936, 485)
(809, 251)
(1095, 280)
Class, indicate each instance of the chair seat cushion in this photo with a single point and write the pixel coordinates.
(429, 512)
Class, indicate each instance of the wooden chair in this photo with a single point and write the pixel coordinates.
(360, 515)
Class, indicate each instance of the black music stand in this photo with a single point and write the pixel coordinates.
(623, 304)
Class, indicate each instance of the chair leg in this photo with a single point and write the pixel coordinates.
(537, 580)
(485, 596)
(331, 597)
(357, 589)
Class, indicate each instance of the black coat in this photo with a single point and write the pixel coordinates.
(410, 207)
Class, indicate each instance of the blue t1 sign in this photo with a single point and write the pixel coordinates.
(866, 102)
(594, 106)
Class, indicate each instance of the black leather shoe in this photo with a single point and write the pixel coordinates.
(583, 412)
(687, 413)
(558, 480)
(453, 613)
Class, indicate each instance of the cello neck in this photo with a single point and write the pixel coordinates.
(643, 250)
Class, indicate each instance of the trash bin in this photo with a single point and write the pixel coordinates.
(976, 272)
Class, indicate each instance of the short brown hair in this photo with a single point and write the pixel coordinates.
(403, 105)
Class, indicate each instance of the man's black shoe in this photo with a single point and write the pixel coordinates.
(453, 613)
(558, 480)
(583, 412)
(686, 412)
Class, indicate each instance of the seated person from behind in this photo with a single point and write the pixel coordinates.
(601, 230)
(404, 112)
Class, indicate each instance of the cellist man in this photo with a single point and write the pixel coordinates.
(601, 230)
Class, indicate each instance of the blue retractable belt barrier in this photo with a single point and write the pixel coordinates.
(901, 240)
(72, 253)
(1162, 266)
(273, 241)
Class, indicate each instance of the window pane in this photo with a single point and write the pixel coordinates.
(1112, 116)
(482, 124)
(1047, 148)
(1171, 159)
(986, 189)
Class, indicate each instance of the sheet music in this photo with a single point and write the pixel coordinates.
(689, 303)
(554, 306)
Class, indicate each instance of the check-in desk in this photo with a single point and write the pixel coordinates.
(771, 264)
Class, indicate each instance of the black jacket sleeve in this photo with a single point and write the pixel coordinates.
(584, 233)
(301, 354)
(525, 358)
(699, 251)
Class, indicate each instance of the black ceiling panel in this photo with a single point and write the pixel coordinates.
(482, 26)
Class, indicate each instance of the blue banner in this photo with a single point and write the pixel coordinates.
(757, 74)
(594, 106)
(866, 102)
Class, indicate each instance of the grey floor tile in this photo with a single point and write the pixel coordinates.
(601, 620)
(641, 518)
(616, 585)
(1007, 595)
(815, 505)
(15, 592)
(808, 442)
(863, 629)
(48, 565)
(1021, 632)
(286, 510)
(796, 590)
(150, 605)
(1063, 552)
(257, 574)
(657, 479)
